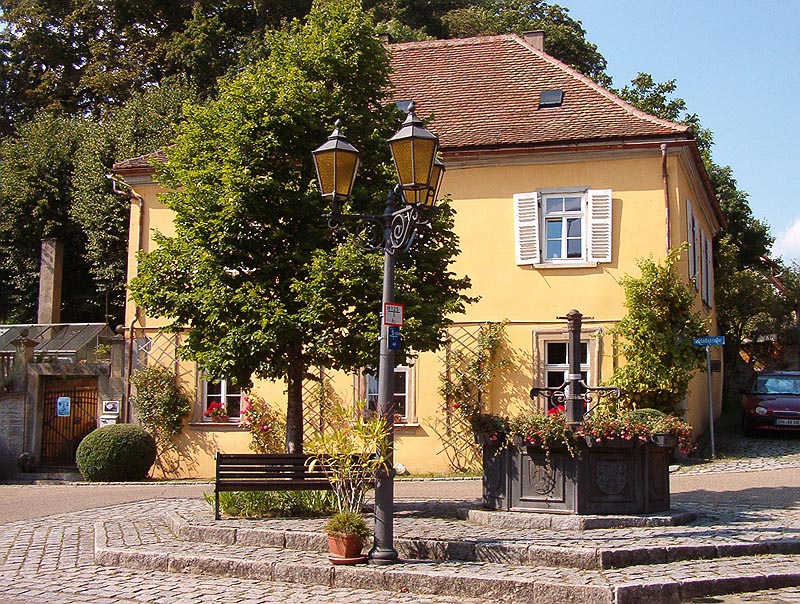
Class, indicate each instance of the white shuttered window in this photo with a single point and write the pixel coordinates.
(573, 226)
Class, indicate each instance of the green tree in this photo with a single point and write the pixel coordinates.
(146, 122)
(36, 193)
(248, 218)
(566, 39)
(656, 337)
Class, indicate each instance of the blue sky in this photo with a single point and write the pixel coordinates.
(736, 63)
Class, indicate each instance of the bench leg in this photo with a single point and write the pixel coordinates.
(216, 505)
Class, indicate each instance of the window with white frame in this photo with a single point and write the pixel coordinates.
(401, 392)
(224, 393)
(563, 226)
(700, 256)
(707, 289)
(692, 238)
(556, 363)
(551, 356)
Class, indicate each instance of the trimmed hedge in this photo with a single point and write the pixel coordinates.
(116, 453)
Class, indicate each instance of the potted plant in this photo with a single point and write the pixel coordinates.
(604, 426)
(25, 462)
(216, 412)
(350, 450)
(543, 431)
(670, 431)
(347, 533)
(489, 429)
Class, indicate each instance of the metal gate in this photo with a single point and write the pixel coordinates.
(69, 414)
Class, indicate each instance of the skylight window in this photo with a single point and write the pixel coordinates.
(550, 98)
(403, 105)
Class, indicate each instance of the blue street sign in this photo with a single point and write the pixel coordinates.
(394, 338)
(710, 341)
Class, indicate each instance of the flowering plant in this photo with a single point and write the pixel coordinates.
(673, 426)
(215, 410)
(490, 424)
(542, 430)
(604, 423)
(267, 430)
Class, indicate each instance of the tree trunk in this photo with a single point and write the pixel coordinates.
(294, 405)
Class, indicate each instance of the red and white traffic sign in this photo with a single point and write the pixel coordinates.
(393, 314)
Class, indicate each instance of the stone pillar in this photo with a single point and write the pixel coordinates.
(50, 272)
(23, 355)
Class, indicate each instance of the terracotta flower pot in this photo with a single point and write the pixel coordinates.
(345, 548)
(219, 419)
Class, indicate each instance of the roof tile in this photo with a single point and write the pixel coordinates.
(484, 92)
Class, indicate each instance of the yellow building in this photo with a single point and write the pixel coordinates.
(559, 188)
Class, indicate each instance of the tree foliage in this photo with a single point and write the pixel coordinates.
(249, 221)
(53, 185)
(656, 336)
(36, 192)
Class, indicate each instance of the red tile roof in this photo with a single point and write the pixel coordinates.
(484, 92)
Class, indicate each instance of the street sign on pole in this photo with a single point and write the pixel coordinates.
(709, 341)
(393, 314)
(394, 337)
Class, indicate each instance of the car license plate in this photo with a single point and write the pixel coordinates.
(787, 422)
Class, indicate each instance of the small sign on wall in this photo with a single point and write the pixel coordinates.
(63, 405)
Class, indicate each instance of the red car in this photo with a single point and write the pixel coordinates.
(772, 402)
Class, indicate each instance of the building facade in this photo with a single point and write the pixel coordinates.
(559, 188)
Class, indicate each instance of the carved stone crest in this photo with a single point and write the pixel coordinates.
(612, 476)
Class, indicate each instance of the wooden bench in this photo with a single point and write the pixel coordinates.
(266, 472)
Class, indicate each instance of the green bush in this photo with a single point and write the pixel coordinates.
(117, 453)
(268, 504)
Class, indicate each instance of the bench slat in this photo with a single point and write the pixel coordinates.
(266, 472)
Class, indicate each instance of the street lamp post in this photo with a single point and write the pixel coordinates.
(409, 208)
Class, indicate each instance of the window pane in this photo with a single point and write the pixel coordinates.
(233, 399)
(555, 379)
(554, 229)
(554, 249)
(213, 389)
(573, 248)
(399, 382)
(553, 204)
(584, 353)
(573, 227)
(572, 204)
(556, 353)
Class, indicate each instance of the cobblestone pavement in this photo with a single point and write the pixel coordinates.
(737, 453)
(51, 560)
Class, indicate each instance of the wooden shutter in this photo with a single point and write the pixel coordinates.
(526, 228)
(599, 225)
(691, 233)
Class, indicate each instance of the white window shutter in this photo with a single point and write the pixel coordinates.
(526, 228)
(690, 237)
(600, 220)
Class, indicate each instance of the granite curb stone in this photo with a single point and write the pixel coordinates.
(668, 577)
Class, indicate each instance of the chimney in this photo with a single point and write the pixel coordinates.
(535, 39)
(50, 271)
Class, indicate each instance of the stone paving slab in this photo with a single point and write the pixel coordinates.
(148, 544)
(430, 530)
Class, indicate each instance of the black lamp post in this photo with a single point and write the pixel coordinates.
(409, 208)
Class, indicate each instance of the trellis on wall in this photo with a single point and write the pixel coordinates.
(468, 363)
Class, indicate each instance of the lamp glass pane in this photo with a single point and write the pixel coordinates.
(325, 172)
(346, 166)
(402, 153)
(424, 154)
